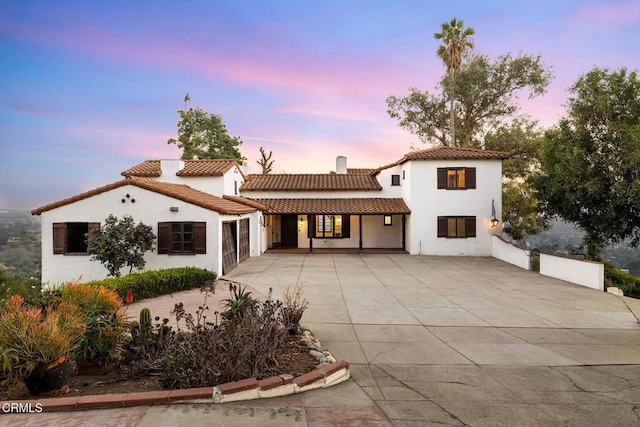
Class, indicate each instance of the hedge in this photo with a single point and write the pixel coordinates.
(149, 284)
(629, 284)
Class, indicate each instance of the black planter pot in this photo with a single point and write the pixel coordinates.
(50, 378)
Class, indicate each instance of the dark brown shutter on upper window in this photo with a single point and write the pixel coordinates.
(200, 237)
(59, 237)
(470, 226)
(164, 237)
(346, 226)
(442, 178)
(470, 177)
(442, 226)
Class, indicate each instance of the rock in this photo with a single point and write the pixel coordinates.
(315, 353)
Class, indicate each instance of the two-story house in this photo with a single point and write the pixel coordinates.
(208, 213)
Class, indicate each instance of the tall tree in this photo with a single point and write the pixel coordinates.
(265, 161)
(486, 93)
(202, 135)
(455, 42)
(522, 139)
(590, 163)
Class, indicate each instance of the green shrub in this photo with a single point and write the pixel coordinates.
(153, 283)
(12, 284)
(613, 276)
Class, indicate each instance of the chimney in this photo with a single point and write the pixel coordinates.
(341, 165)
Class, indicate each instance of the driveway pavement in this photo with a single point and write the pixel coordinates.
(436, 340)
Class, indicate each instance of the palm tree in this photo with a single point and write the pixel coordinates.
(455, 42)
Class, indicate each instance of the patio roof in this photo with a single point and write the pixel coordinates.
(358, 206)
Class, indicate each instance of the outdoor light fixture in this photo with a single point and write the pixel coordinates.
(494, 221)
(173, 209)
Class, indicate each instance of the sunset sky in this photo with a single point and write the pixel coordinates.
(89, 89)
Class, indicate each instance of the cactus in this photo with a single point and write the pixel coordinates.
(145, 318)
(135, 331)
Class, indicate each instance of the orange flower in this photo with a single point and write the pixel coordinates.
(129, 298)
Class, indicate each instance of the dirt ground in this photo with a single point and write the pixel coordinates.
(296, 361)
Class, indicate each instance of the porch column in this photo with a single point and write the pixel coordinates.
(360, 233)
(310, 231)
(404, 225)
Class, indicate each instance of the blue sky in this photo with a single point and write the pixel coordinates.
(89, 89)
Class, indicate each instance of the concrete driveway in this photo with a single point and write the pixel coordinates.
(463, 341)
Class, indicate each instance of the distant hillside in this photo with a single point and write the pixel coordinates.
(565, 239)
(20, 242)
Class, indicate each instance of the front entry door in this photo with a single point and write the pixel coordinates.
(289, 231)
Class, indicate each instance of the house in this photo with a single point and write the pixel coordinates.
(210, 214)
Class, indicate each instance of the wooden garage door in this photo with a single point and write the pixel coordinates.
(243, 247)
(229, 258)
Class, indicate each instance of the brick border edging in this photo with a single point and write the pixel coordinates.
(247, 389)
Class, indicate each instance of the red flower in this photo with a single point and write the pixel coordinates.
(129, 298)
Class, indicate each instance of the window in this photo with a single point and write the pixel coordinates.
(388, 220)
(71, 237)
(456, 178)
(330, 226)
(235, 187)
(403, 174)
(456, 226)
(395, 179)
(182, 238)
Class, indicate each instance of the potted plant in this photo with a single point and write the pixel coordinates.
(39, 341)
(106, 326)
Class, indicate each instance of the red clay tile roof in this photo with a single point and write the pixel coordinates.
(148, 168)
(206, 167)
(311, 182)
(454, 153)
(352, 206)
(176, 191)
(245, 201)
(360, 171)
(210, 167)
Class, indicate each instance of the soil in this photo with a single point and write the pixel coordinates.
(296, 361)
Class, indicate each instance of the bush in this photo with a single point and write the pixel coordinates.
(12, 284)
(613, 276)
(154, 283)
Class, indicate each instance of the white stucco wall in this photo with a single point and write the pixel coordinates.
(507, 252)
(149, 207)
(584, 273)
(216, 185)
(427, 202)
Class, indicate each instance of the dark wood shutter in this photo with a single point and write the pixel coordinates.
(346, 226)
(200, 237)
(470, 226)
(59, 238)
(244, 247)
(442, 226)
(311, 229)
(470, 178)
(164, 237)
(442, 178)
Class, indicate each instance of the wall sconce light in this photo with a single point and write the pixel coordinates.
(173, 209)
(388, 220)
(494, 221)
(301, 220)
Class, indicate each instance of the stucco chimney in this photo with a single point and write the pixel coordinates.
(170, 168)
(341, 165)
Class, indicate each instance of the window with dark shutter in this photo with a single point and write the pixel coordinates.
(395, 179)
(200, 237)
(346, 226)
(59, 237)
(457, 178)
(184, 238)
(470, 178)
(456, 226)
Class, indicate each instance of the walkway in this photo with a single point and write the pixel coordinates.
(432, 341)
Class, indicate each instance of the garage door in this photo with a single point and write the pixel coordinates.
(243, 247)
(229, 258)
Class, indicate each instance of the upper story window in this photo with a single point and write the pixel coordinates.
(182, 238)
(457, 178)
(71, 237)
(395, 179)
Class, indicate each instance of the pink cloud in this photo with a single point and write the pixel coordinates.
(608, 17)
